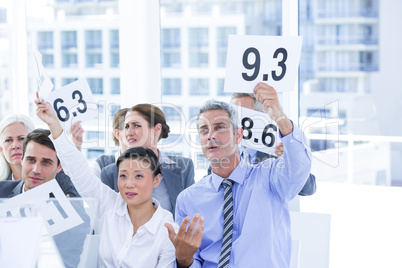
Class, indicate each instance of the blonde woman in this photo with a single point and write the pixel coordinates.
(13, 130)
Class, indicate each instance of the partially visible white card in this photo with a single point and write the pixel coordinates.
(271, 59)
(74, 102)
(58, 217)
(20, 241)
(45, 85)
(260, 132)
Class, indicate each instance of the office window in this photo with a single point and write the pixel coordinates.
(45, 40)
(222, 43)
(113, 108)
(101, 108)
(96, 85)
(114, 49)
(95, 135)
(170, 39)
(47, 60)
(194, 110)
(69, 60)
(171, 86)
(66, 81)
(115, 86)
(172, 113)
(172, 139)
(93, 45)
(220, 83)
(94, 153)
(171, 59)
(3, 15)
(201, 163)
(199, 86)
(94, 60)
(68, 39)
(198, 47)
(93, 39)
(320, 113)
(114, 39)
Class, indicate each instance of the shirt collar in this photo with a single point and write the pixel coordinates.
(238, 175)
(152, 225)
(164, 159)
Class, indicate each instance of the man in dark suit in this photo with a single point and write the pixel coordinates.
(40, 164)
(254, 157)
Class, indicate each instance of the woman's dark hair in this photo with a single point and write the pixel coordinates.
(153, 115)
(143, 154)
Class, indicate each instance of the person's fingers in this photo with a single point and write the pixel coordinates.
(183, 226)
(193, 224)
(199, 232)
(75, 127)
(171, 231)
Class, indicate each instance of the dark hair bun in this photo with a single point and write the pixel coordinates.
(165, 131)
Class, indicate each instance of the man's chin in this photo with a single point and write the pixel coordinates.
(32, 185)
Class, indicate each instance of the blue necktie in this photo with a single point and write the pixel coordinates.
(227, 224)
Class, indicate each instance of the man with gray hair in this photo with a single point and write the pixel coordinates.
(245, 219)
(247, 100)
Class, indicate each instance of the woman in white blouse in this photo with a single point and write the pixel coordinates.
(132, 231)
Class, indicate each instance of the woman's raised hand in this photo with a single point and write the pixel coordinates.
(47, 114)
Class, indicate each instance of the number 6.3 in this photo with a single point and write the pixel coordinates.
(66, 116)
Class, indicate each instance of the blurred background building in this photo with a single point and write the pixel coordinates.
(348, 103)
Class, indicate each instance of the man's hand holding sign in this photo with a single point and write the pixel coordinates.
(253, 62)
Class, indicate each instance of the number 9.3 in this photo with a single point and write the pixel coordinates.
(257, 64)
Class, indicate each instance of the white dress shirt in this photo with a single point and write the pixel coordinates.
(149, 247)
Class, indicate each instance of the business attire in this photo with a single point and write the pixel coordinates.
(177, 175)
(261, 220)
(70, 243)
(10, 188)
(102, 162)
(149, 247)
(255, 157)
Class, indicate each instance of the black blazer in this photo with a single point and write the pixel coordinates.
(9, 188)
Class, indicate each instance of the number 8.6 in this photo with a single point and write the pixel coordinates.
(265, 133)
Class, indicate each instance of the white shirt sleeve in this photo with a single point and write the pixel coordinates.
(76, 167)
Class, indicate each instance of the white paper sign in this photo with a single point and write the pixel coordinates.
(270, 59)
(45, 85)
(260, 132)
(59, 215)
(20, 236)
(74, 102)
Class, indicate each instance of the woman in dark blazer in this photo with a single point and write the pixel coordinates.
(145, 125)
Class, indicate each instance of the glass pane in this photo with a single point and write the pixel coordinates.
(349, 111)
